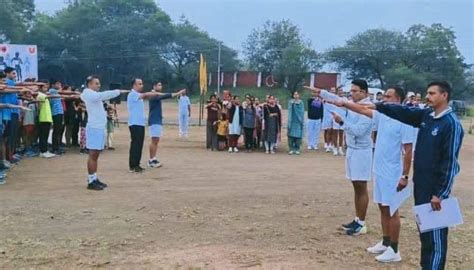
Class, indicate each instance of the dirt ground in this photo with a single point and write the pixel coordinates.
(202, 210)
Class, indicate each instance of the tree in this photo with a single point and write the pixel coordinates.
(369, 54)
(411, 59)
(116, 39)
(15, 18)
(280, 48)
(183, 53)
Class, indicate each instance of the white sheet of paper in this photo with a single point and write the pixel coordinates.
(449, 215)
(398, 199)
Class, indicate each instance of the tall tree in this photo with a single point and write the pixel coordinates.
(280, 48)
(15, 18)
(369, 54)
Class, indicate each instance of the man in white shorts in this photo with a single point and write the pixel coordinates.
(337, 129)
(96, 126)
(155, 119)
(388, 170)
(327, 124)
(358, 130)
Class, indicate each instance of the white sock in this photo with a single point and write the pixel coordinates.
(325, 145)
(361, 222)
(91, 178)
(340, 148)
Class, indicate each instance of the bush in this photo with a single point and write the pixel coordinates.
(470, 111)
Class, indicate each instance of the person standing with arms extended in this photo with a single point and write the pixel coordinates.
(96, 126)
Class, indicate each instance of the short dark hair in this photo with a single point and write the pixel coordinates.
(134, 81)
(53, 81)
(154, 82)
(8, 70)
(212, 96)
(234, 97)
(362, 84)
(443, 87)
(90, 78)
(401, 93)
(380, 93)
(2, 75)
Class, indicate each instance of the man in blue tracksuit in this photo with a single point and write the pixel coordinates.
(436, 161)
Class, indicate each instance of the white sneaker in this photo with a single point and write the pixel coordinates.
(334, 151)
(297, 152)
(377, 249)
(328, 149)
(341, 152)
(310, 148)
(267, 151)
(47, 155)
(230, 150)
(236, 150)
(389, 256)
(290, 153)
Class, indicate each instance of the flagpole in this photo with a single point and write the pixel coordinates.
(219, 71)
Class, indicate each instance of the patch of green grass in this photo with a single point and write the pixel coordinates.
(282, 94)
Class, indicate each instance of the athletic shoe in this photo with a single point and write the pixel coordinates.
(154, 163)
(104, 185)
(389, 256)
(58, 153)
(47, 155)
(341, 152)
(310, 148)
(272, 152)
(377, 249)
(357, 230)
(267, 152)
(31, 154)
(3, 180)
(95, 186)
(236, 150)
(290, 153)
(111, 148)
(328, 149)
(334, 151)
(297, 152)
(230, 150)
(138, 169)
(84, 151)
(349, 225)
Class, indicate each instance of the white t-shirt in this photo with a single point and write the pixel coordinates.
(97, 117)
(391, 136)
(183, 103)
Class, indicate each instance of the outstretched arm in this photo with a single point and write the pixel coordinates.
(409, 115)
(366, 110)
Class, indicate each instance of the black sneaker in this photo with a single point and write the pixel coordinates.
(101, 183)
(138, 169)
(95, 186)
(350, 225)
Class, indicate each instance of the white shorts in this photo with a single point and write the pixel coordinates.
(95, 139)
(155, 131)
(327, 123)
(384, 189)
(336, 126)
(359, 164)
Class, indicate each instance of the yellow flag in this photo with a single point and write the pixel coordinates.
(202, 75)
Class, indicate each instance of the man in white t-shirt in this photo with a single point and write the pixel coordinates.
(96, 126)
(184, 113)
(390, 173)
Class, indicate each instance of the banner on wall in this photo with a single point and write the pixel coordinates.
(23, 58)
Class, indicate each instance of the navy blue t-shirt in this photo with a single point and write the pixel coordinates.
(156, 114)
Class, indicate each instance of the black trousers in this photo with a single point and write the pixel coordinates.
(12, 133)
(75, 132)
(248, 138)
(434, 247)
(58, 129)
(137, 134)
(43, 134)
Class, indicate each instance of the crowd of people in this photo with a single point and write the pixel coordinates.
(379, 137)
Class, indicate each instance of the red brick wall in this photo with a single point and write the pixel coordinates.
(325, 80)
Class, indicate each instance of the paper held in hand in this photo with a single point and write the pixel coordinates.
(449, 215)
(398, 199)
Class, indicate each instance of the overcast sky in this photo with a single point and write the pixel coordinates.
(326, 23)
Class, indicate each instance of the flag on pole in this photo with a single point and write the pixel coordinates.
(203, 75)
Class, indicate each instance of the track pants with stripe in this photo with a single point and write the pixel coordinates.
(434, 246)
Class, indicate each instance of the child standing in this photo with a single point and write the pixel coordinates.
(110, 127)
(29, 122)
(222, 131)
